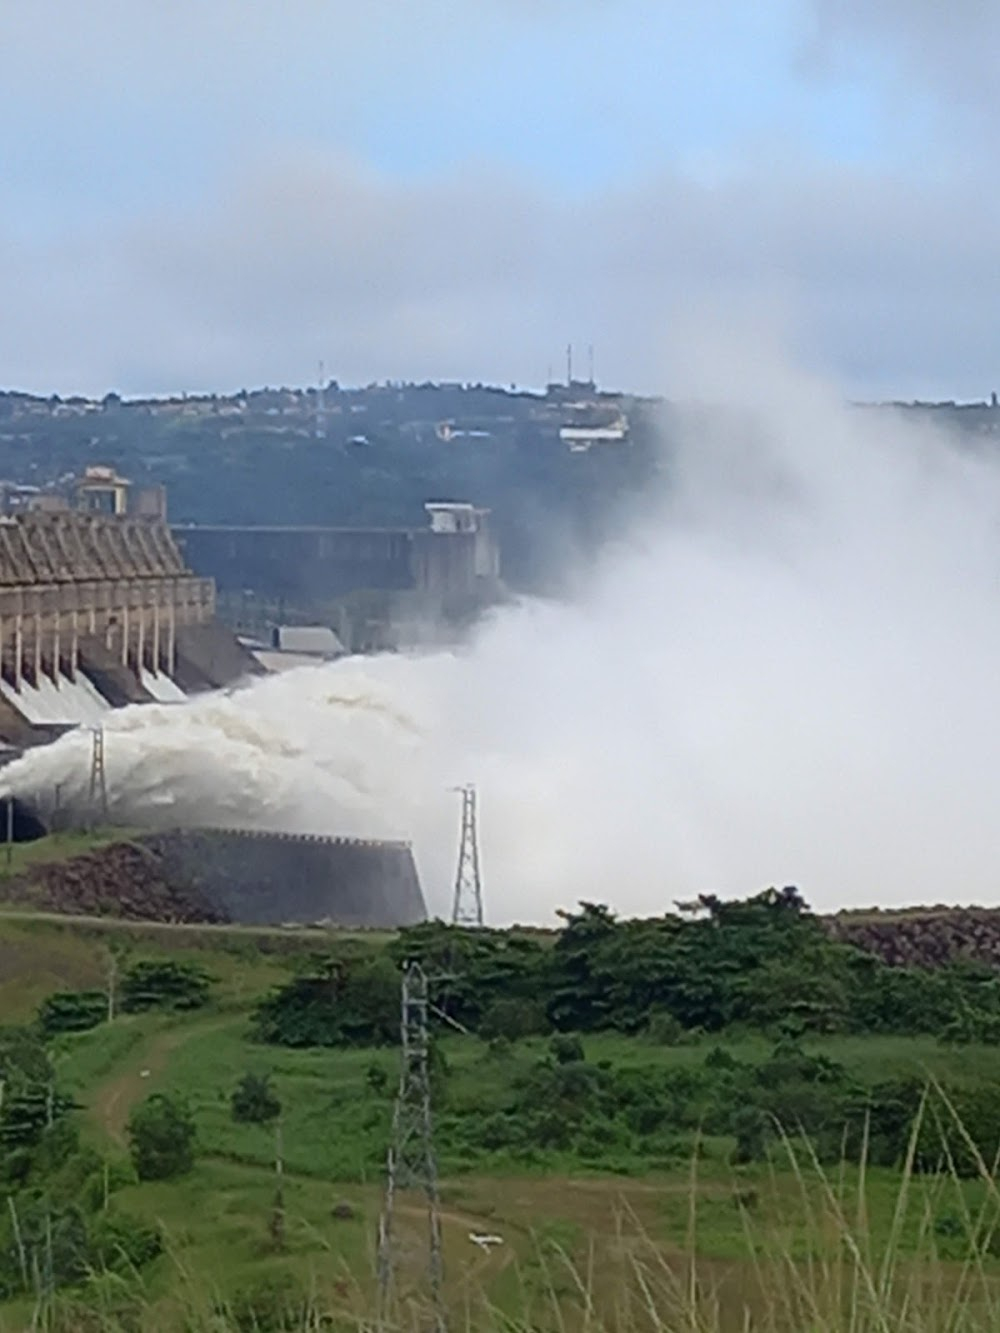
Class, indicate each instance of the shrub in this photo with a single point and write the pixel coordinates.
(566, 1048)
(163, 984)
(254, 1101)
(751, 1128)
(513, 1019)
(377, 1078)
(72, 1011)
(162, 1138)
(122, 1242)
(273, 1304)
(663, 1029)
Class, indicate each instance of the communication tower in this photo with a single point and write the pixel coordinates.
(467, 906)
(410, 1162)
(321, 404)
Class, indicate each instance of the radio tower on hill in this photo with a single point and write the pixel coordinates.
(467, 907)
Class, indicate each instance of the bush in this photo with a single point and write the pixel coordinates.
(72, 1011)
(162, 1138)
(271, 1305)
(663, 1029)
(566, 1049)
(121, 1242)
(254, 1101)
(513, 1019)
(377, 1078)
(163, 984)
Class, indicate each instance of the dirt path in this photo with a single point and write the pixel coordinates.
(115, 1098)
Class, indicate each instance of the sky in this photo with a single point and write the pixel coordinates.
(218, 193)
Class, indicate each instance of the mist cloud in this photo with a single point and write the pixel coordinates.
(786, 675)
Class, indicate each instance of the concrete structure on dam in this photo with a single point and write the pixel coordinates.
(218, 876)
(98, 610)
(274, 878)
(271, 572)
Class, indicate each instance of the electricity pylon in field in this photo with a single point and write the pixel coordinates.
(467, 905)
(410, 1162)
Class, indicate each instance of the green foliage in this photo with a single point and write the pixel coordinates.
(377, 1078)
(566, 1049)
(41, 1242)
(161, 1135)
(273, 1304)
(959, 1132)
(337, 1002)
(254, 1101)
(163, 983)
(663, 1029)
(27, 1112)
(765, 963)
(72, 1011)
(513, 1019)
(121, 1242)
(751, 1130)
(24, 1061)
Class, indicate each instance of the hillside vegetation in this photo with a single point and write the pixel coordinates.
(733, 1090)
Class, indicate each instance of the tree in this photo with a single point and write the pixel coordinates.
(162, 1136)
(254, 1101)
(339, 1002)
(513, 1019)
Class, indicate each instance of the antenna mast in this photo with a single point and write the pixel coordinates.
(467, 906)
(410, 1161)
(321, 405)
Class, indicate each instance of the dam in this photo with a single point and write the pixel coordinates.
(98, 611)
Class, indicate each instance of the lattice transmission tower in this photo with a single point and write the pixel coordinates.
(410, 1162)
(98, 792)
(467, 906)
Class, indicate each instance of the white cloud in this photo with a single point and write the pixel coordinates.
(302, 256)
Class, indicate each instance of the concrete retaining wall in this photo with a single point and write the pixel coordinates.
(274, 878)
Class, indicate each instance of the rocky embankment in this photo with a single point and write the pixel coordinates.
(923, 937)
(124, 879)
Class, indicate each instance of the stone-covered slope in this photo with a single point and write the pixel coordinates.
(209, 875)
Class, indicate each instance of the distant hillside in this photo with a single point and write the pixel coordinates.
(366, 457)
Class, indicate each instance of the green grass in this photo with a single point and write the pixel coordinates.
(40, 954)
(614, 1233)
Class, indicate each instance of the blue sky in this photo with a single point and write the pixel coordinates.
(214, 192)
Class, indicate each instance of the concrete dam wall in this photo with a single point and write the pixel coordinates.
(98, 611)
(312, 565)
(274, 878)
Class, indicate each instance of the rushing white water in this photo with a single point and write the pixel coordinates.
(790, 676)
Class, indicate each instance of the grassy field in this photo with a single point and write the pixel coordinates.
(335, 1130)
(613, 1243)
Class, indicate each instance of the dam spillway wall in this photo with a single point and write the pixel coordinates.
(97, 611)
(274, 878)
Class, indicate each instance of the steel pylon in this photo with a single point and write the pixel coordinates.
(410, 1162)
(467, 905)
